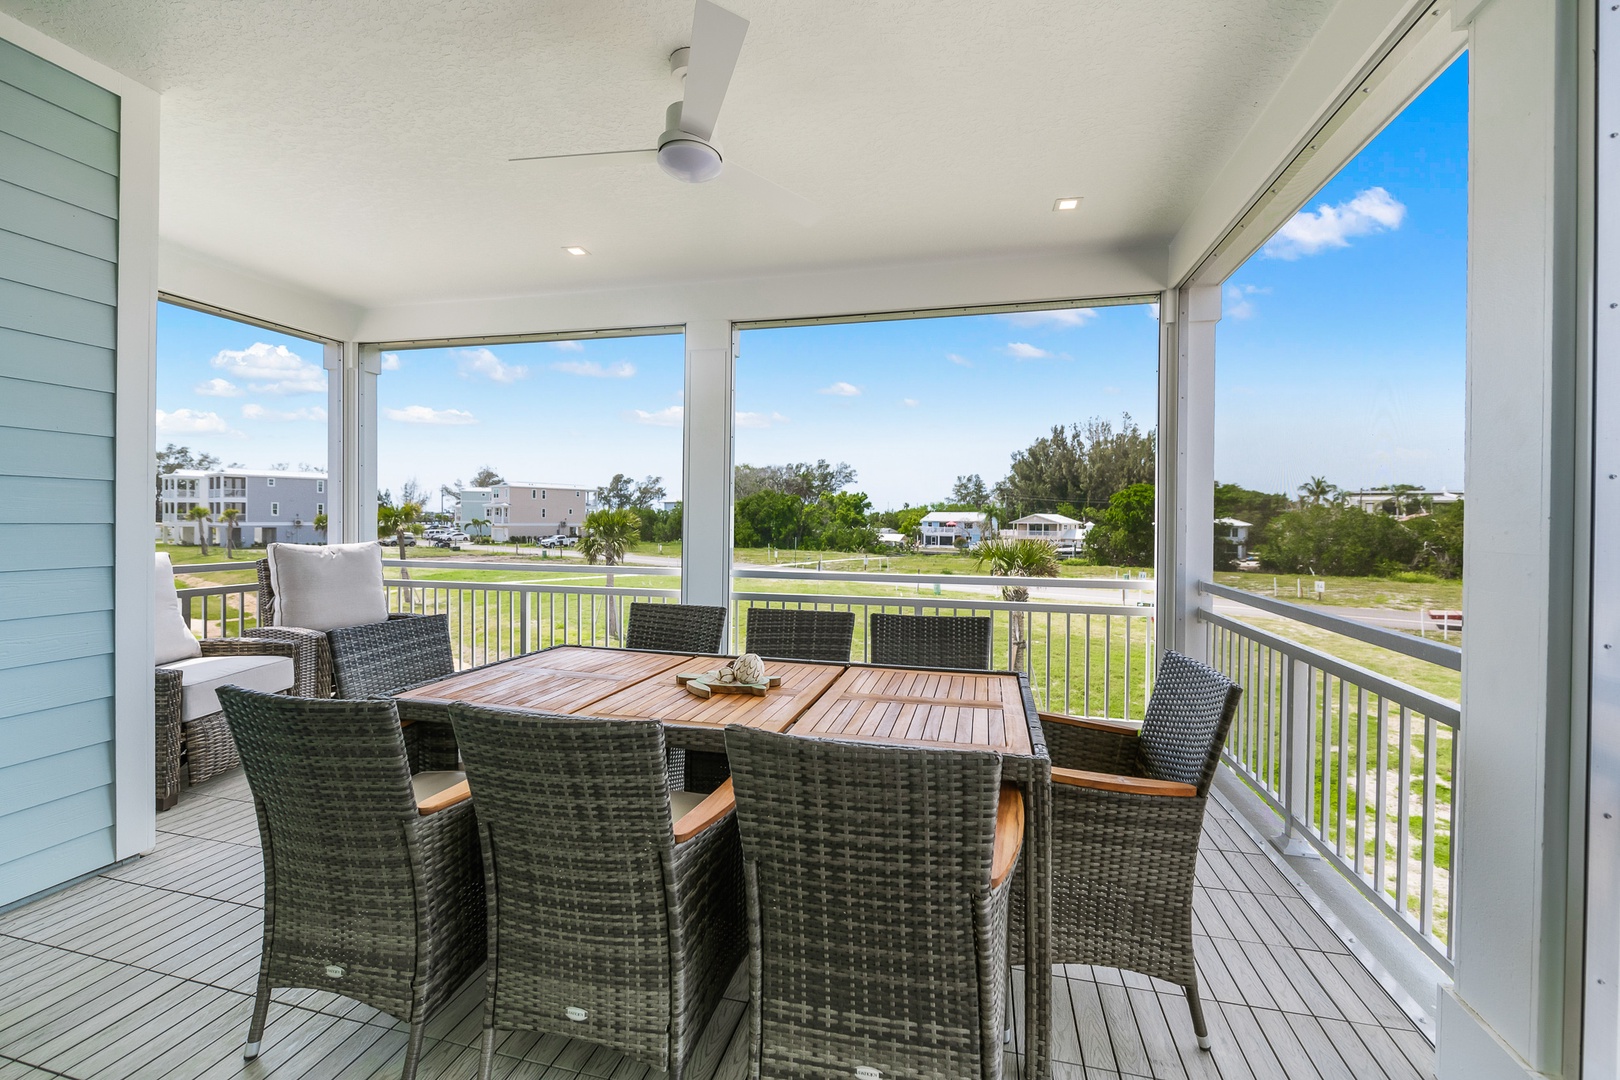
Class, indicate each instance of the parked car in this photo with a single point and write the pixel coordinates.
(452, 540)
(557, 541)
(392, 541)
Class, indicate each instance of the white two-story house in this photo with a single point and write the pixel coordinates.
(1061, 531)
(947, 529)
(532, 511)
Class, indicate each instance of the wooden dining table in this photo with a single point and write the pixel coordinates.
(913, 707)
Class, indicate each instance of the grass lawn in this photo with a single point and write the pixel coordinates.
(1411, 592)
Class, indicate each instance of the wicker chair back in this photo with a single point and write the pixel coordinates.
(339, 827)
(801, 633)
(940, 641)
(378, 657)
(877, 938)
(575, 820)
(1186, 721)
(696, 628)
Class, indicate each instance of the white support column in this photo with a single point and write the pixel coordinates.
(352, 452)
(706, 487)
(1186, 465)
(332, 360)
(1506, 1015)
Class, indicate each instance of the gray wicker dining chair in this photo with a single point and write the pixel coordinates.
(800, 633)
(941, 641)
(694, 628)
(373, 884)
(878, 884)
(1127, 813)
(615, 903)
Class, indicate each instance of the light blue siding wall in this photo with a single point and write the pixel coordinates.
(58, 294)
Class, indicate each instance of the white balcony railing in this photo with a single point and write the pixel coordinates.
(1358, 764)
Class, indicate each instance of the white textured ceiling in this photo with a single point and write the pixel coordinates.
(358, 147)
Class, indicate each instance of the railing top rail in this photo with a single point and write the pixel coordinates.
(868, 577)
(976, 603)
(1434, 652)
(630, 569)
(1420, 701)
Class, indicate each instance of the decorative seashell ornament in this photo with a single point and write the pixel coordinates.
(727, 675)
(749, 668)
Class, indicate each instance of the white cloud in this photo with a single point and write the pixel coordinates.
(271, 369)
(191, 422)
(841, 389)
(390, 361)
(1237, 300)
(259, 412)
(568, 346)
(1064, 317)
(759, 419)
(623, 369)
(1153, 312)
(959, 361)
(670, 417)
(1023, 350)
(909, 402)
(472, 362)
(1310, 231)
(422, 414)
(217, 388)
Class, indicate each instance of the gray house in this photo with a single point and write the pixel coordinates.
(275, 506)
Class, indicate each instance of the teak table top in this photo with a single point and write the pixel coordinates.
(964, 710)
(661, 698)
(560, 680)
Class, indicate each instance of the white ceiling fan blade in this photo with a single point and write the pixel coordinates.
(717, 38)
(605, 158)
(787, 203)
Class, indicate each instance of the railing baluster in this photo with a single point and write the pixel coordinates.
(1344, 763)
(1431, 762)
(1380, 867)
(1361, 781)
(1403, 837)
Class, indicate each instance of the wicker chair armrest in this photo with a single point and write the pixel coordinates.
(1009, 834)
(247, 646)
(711, 811)
(453, 795)
(1094, 748)
(1128, 785)
(168, 679)
(1095, 723)
(312, 662)
(406, 614)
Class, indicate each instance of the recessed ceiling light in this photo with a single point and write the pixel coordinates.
(576, 251)
(1067, 204)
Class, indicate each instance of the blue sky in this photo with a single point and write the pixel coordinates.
(1347, 361)
(1340, 353)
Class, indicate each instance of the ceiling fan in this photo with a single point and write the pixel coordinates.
(686, 149)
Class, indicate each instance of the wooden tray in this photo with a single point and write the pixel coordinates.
(705, 683)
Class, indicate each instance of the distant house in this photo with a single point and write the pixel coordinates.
(1236, 533)
(1062, 532)
(531, 511)
(891, 538)
(472, 504)
(1382, 500)
(945, 528)
(273, 506)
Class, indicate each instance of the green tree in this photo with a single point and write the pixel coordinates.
(321, 521)
(607, 535)
(229, 515)
(485, 477)
(398, 520)
(970, 493)
(767, 517)
(199, 514)
(1317, 490)
(1337, 540)
(1123, 534)
(1083, 464)
(846, 527)
(1021, 558)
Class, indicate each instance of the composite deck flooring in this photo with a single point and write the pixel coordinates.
(147, 971)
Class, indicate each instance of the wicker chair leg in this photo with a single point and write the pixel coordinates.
(1200, 1028)
(261, 1009)
(486, 1060)
(413, 1049)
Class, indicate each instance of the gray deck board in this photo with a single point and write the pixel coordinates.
(148, 971)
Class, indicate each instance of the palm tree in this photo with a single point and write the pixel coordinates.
(199, 514)
(1023, 558)
(607, 535)
(229, 516)
(1317, 490)
(398, 520)
(320, 523)
(481, 525)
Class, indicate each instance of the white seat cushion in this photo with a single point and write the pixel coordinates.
(425, 785)
(682, 801)
(201, 678)
(325, 587)
(171, 637)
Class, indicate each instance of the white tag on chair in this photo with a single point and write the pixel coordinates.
(866, 1072)
(574, 1012)
(334, 971)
